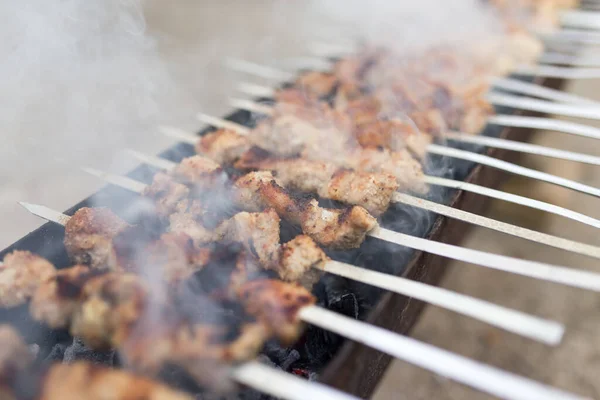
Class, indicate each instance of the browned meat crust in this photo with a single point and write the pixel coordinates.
(82, 380)
(276, 304)
(20, 275)
(88, 237)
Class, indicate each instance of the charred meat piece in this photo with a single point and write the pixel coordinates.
(117, 246)
(336, 228)
(400, 164)
(15, 355)
(83, 380)
(20, 275)
(111, 306)
(195, 170)
(393, 134)
(172, 258)
(166, 194)
(88, 237)
(223, 145)
(317, 84)
(300, 260)
(373, 190)
(58, 297)
(276, 304)
(259, 232)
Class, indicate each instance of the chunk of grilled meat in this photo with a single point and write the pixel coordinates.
(14, 354)
(20, 275)
(259, 233)
(276, 304)
(336, 228)
(300, 261)
(289, 134)
(15, 358)
(111, 306)
(258, 191)
(58, 297)
(82, 380)
(196, 170)
(373, 191)
(316, 84)
(89, 234)
(166, 194)
(223, 145)
(295, 261)
(99, 307)
(117, 246)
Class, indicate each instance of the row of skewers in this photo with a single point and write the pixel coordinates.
(127, 289)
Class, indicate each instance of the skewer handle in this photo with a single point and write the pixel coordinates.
(513, 230)
(284, 385)
(549, 332)
(524, 148)
(551, 273)
(513, 168)
(461, 369)
(545, 124)
(513, 198)
(580, 19)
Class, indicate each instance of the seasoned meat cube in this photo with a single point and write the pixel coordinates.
(276, 304)
(89, 234)
(20, 276)
(112, 304)
(166, 194)
(300, 260)
(247, 193)
(338, 229)
(58, 297)
(373, 191)
(83, 380)
(317, 84)
(258, 232)
(188, 223)
(14, 354)
(223, 145)
(173, 258)
(393, 134)
(408, 171)
(341, 229)
(195, 170)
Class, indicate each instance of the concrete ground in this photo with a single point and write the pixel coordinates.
(194, 37)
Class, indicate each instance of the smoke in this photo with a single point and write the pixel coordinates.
(79, 79)
(412, 25)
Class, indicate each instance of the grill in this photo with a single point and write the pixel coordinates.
(343, 364)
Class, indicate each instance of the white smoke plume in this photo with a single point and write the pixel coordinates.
(82, 78)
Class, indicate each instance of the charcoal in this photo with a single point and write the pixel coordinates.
(57, 353)
(78, 351)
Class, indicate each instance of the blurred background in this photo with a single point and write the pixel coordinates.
(167, 58)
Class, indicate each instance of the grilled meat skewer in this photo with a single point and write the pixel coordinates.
(256, 191)
(115, 310)
(188, 246)
(313, 144)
